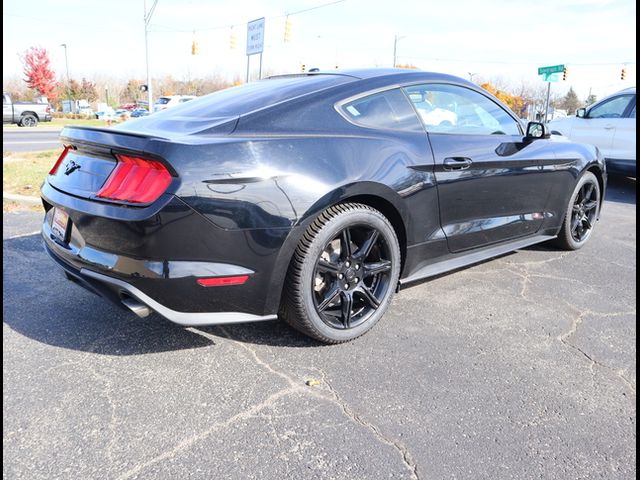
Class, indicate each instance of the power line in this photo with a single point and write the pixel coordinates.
(502, 62)
(223, 27)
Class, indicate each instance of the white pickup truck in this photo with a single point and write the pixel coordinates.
(25, 114)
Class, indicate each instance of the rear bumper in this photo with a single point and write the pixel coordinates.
(119, 292)
(157, 260)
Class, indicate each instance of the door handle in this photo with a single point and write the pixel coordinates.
(609, 127)
(457, 163)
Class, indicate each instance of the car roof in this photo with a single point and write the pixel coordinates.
(393, 75)
(625, 91)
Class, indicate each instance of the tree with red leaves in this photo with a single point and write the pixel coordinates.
(38, 72)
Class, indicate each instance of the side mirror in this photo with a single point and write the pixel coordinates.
(581, 113)
(536, 130)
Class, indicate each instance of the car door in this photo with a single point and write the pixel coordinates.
(599, 125)
(491, 183)
(624, 138)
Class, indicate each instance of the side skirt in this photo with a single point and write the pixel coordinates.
(463, 260)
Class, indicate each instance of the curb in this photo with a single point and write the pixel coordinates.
(25, 199)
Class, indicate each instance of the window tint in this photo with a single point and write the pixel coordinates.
(458, 110)
(612, 108)
(388, 109)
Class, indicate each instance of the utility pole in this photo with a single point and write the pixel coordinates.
(395, 49)
(147, 19)
(66, 62)
(396, 39)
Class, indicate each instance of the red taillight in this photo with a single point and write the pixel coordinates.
(223, 281)
(136, 180)
(54, 169)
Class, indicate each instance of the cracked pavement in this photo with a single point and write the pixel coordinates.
(521, 367)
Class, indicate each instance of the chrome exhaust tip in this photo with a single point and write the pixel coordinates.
(137, 307)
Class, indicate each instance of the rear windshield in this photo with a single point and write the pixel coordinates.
(222, 107)
(252, 96)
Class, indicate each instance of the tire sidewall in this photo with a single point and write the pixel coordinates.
(325, 235)
(586, 177)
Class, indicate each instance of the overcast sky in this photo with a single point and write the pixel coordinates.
(507, 38)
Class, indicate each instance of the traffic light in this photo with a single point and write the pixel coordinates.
(303, 68)
(233, 42)
(623, 74)
(565, 73)
(195, 48)
(287, 30)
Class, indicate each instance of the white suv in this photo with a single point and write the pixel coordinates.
(610, 125)
(171, 101)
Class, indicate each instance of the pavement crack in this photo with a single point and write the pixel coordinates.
(188, 442)
(404, 452)
(537, 262)
(289, 379)
(295, 385)
(575, 324)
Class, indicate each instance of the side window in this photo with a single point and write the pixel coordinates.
(5, 99)
(612, 108)
(459, 110)
(389, 109)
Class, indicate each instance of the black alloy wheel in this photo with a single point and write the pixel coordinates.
(582, 213)
(352, 274)
(343, 274)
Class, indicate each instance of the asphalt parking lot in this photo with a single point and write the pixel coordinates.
(519, 368)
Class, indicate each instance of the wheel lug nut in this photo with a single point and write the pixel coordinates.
(357, 267)
(357, 280)
(346, 285)
(347, 264)
(340, 276)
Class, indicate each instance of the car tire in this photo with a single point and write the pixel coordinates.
(581, 214)
(343, 274)
(29, 120)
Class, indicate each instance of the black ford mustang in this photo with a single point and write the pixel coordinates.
(313, 197)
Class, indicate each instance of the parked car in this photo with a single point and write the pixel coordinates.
(25, 114)
(314, 197)
(128, 106)
(610, 125)
(171, 101)
(139, 112)
(105, 114)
